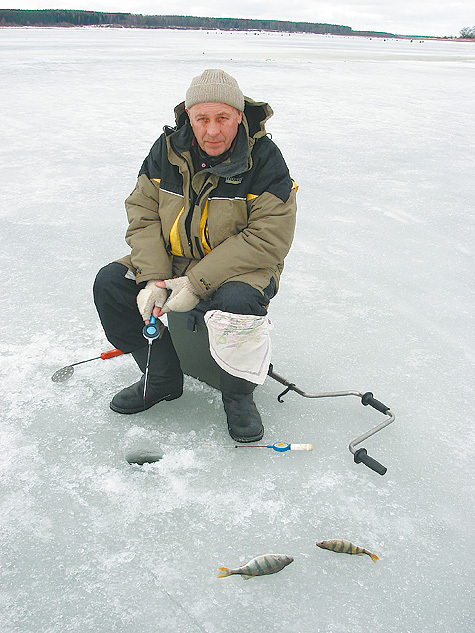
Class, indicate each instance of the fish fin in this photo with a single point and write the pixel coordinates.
(223, 572)
(246, 577)
(374, 558)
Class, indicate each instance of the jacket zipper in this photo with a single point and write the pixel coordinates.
(194, 203)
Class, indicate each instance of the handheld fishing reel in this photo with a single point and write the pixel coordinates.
(152, 330)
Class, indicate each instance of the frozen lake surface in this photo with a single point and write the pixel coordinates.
(377, 295)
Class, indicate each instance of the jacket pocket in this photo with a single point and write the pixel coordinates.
(226, 217)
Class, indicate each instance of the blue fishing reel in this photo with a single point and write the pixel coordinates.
(280, 447)
(151, 331)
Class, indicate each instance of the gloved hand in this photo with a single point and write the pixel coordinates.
(183, 296)
(149, 297)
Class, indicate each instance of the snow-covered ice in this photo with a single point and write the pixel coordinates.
(377, 295)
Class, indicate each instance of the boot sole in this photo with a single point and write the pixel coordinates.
(245, 440)
(170, 396)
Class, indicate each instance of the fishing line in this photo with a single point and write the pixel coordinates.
(176, 603)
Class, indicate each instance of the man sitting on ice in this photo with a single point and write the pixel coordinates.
(211, 220)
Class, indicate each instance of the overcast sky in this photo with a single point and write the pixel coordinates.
(404, 17)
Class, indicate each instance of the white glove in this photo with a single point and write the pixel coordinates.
(183, 296)
(149, 297)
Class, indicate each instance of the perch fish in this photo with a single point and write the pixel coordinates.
(259, 566)
(342, 546)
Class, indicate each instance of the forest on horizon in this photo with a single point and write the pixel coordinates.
(66, 17)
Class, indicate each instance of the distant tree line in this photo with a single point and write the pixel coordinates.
(64, 17)
(59, 17)
(468, 33)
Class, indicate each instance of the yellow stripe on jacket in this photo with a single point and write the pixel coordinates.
(175, 243)
(204, 236)
(253, 196)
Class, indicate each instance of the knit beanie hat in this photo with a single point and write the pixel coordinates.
(214, 85)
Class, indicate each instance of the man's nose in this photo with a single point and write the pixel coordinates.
(213, 128)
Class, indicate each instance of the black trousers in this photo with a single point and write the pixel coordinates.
(115, 296)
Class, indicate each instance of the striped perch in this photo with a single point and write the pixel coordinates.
(259, 566)
(341, 546)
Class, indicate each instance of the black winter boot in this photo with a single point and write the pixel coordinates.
(164, 380)
(244, 421)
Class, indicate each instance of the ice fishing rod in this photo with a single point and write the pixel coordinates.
(280, 447)
(360, 455)
(65, 373)
(151, 332)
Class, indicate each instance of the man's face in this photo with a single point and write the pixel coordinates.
(215, 125)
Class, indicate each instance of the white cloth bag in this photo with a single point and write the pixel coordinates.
(240, 344)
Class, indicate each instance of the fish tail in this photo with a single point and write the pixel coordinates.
(223, 572)
(374, 558)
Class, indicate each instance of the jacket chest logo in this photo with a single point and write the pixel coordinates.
(234, 180)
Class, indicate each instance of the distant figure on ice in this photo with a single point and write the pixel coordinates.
(211, 220)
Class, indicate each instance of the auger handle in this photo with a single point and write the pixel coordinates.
(112, 353)
(368, 399)
(361, 455)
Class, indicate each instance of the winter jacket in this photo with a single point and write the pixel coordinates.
(233, 221)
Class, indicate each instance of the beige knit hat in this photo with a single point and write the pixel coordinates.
(214, 85)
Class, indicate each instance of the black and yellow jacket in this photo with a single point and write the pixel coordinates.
(233, 221)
